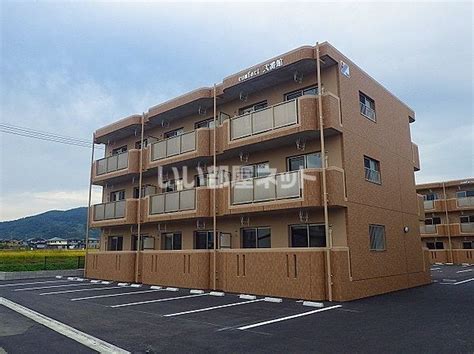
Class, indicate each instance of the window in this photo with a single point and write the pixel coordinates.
(467, 245)
(464, 194)
(119, 150)
(147, 189)
(313, 90)
(307, 235)
(465, 219)
(117, 195)
(436, 245)
(253, 108)
(372, 170)
(138, 144)
(430, 196)
(146, 243)
(256, 237)
(172, 241)
(433, 221)
(173, 185)
(377, 237)
(261, 169)
(208, 123)
(115, 243)
(173, 133)
(312, 160)
(367, 106)
(203, 240)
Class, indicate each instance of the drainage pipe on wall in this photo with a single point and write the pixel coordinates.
(323, 165)
(214, 218)
(89, 205)
(447, 223)
(140, 196)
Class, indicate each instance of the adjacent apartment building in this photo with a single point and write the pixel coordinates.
(448, 228)
(293, 178)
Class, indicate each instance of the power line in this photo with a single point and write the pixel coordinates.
(45, 136)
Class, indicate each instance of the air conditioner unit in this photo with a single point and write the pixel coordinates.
(303, 215)
(300, 144)
(165, 123)
(244, 221)
(202, 111)
(243, 96)
(298, 77)
(244, 156)
(200, 224)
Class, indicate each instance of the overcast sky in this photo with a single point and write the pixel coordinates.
(71, 68)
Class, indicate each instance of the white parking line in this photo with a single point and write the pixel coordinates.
(61, 328)
(112, 295)
(459, 282)
(53, 286)
(212, 308)
(78, 290)
(36, 282)
(159, 300)
(464, 271)
(287, 317)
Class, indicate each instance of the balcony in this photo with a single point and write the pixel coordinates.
(434, 205)
(416, 156)
(277, 123)
(185, 147)
(428, 230)
(296, 189)
(466, 202)
(115, 167)
(467, 228)
(123, 212)
(185, 204)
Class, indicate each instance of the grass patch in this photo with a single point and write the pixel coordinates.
(20, 260)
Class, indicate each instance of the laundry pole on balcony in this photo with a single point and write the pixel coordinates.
(139, 211)
(89, 206)
(323, 165)
(214, 218)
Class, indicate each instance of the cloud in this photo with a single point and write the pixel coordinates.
(25, 204)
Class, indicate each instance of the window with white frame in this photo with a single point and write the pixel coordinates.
(468, 245)
(312, 90)
(173, 185)
(367, 106)
(465, 194)
(119, 150)
(430, 196)
(261, 169)
(253, 107)
(372, 170)
(146, 242)
(434, 245)
(308, 235)
(466, 219)
(435, 220)
(256, 237)
(207, 123)
(172, 240)
(377, 237)
(311, 160)
(115, 196)
(173, 133)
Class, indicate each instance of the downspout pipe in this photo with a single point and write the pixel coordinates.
(214, 217)
(140, 196)
(89, 205)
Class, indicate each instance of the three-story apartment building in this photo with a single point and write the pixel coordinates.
(448, 228)
(293, 178)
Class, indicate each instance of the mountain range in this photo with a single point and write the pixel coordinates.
(67, 224)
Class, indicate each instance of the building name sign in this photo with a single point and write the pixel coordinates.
(274, 64)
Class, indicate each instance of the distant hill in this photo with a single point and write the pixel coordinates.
(68, 224)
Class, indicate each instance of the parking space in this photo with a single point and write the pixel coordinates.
(144, 318)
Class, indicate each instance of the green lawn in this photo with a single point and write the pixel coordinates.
(15, 261)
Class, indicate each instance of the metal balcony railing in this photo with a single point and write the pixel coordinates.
(112, 163)
(264, 120)
(367, 111)
(467, 227)
(173, 146)
(428, 204)
(112, 210)
(428, 229)
(273, 187)
(465, 202)
(173, 201)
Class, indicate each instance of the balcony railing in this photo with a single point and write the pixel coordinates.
(467, 227)
(270, 118)
(465, 201)
(173, 201)
(112, 210)
(273, 187)
(367, 111)
(112, 163)
(428, 204)
(173, 146)
(428, 229)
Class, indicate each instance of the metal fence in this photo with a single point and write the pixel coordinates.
(173, 146)
(112, 163)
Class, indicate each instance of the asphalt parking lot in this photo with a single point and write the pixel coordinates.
(434, 318)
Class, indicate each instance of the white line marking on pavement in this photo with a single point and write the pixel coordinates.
(78, 290)
(36, 282)
(159, 300)
(212, 308)
(435, 268)
(464, 271)
(287, 317)
(53, 286)
(464, 281)
(112, 295)
(61, 328)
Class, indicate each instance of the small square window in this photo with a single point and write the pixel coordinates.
(377, 237)
(367, 106)
(256, 237)
(372, 170)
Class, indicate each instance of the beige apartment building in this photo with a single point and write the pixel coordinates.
(312, 196)
(448, 228)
